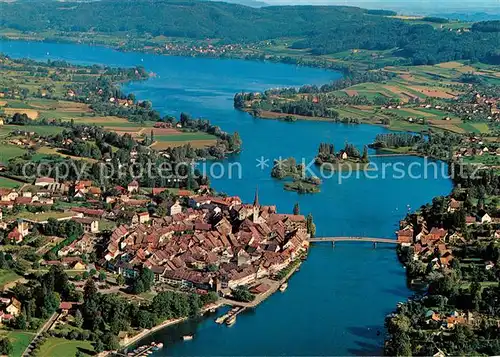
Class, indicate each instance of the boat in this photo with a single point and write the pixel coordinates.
(283, 287)
(159, 345)
(231, 320)
(220, 319)
(212, 310)
(187, 337)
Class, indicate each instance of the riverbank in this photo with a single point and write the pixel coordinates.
(403, 126)
(117, 44)
(274, 287)
(125, 342)
(330, 277)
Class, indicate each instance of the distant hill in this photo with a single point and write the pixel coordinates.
(250, 3)
(319, 30)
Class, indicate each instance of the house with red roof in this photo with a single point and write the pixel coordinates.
(133, 187)
(44, 181)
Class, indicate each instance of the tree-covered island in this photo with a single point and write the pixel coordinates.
(348, 158)
(288, 169)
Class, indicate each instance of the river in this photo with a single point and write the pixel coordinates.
(337, 302)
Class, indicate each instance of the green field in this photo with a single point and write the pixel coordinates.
(19, 339)
(184, 137)
(60, 347)
(400, 125)
(485, 159)
(7, 276)
(43, 216)
(475, 127)
(8, 183)
(39, 129)
(8, 152)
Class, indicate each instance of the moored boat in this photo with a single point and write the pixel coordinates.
(187, 337)
(283, 286)
(231, 320)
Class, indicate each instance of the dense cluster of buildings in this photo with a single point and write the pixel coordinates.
(434, 246)
(212, 244)
(201, 241)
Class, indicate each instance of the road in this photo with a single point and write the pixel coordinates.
(44, 328)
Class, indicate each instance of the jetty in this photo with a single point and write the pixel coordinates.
(229, 317)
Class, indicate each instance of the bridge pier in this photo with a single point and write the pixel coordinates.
(333, 244)
(374, 245)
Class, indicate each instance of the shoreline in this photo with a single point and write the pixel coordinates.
(146, 332)
(268, 115)
(125, 343)
(255, 57)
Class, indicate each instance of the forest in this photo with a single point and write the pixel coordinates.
(319, 29)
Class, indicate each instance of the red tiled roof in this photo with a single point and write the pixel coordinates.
(158, 190)
(44, 180)
(65, 305)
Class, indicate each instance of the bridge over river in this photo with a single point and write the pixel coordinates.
(354, 239)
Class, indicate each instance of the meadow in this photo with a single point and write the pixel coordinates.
(60, 347)
(19, 339)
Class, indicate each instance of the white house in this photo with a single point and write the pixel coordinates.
(486, 218)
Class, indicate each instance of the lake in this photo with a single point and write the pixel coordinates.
(337, 302)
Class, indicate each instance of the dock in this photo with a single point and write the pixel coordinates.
(235, 311)
(142, 351)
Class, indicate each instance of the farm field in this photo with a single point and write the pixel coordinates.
(81, 113)
(8, 183)
(486, 159)
(434, 84)
(60, 107)
(44, 151)
(481, 128)
(43, 216)
(8, 151)
(39, 129)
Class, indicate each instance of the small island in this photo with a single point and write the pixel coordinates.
(289, 169)
(349, 158)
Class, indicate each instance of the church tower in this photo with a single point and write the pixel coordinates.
(256, 207)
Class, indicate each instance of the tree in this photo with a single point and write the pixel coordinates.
(20, 322)
(475, 292)
(110, 342)
(102, 276)
(99, 346)
(144, 281)
(78, 318)
(311, 227)
(89, 290)
(5, 346)
(364, 157)
(296, 209)
(241, 293)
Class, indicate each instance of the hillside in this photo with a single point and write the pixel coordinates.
(317, 30)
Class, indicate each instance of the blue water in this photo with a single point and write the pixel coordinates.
(338, 300)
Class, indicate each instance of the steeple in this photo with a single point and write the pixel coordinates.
(256, 199)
